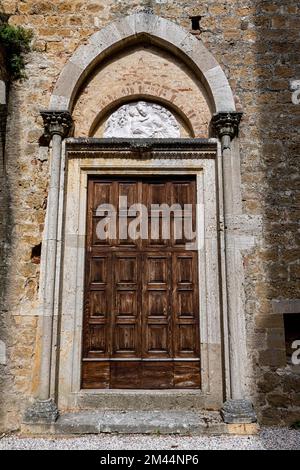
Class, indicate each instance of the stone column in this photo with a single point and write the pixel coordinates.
(57, 125)
(237, 408)
(3, 182)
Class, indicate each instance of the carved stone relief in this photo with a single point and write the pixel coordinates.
(142, 120)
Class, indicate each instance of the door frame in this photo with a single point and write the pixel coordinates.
(169, 365)
(122, 157)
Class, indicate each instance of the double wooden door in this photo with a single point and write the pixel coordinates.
(141, 312)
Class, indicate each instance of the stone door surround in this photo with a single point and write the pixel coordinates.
(96, 157)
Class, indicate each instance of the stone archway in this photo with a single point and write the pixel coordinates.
(156, 30)
(58, 121)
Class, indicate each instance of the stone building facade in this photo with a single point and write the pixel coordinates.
(223, 70)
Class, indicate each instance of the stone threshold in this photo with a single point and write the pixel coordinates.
(145, 400)
(141, 422)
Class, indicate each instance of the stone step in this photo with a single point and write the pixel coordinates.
(146, 400)
(141, 422)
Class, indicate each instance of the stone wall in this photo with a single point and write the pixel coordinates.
(3, 217)
(257, 44)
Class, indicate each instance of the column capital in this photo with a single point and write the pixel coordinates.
(226, 124)
(57, 122)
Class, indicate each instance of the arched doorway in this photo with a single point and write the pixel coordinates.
(184, 78)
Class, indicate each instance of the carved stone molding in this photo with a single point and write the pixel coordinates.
(142, 155)
(226, 124)
(56, 122)
(141, 148)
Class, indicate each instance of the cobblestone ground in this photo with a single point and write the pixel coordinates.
(269, 438)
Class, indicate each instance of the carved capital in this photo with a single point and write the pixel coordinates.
(57, 122)
(226, 124)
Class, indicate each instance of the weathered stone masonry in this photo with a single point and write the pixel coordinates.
(257, 45)
(3, 209)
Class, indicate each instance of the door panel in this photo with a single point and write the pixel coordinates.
(125, 324)
(141, 319)
(157, 318)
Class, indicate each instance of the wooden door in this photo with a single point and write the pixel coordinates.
(141, 312)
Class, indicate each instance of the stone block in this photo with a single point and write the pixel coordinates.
(291, 382)
(243, 429)
(85, 55)
(67, 81)
(106, 37)
(269, 382)
(273, 358)
(278, 400)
